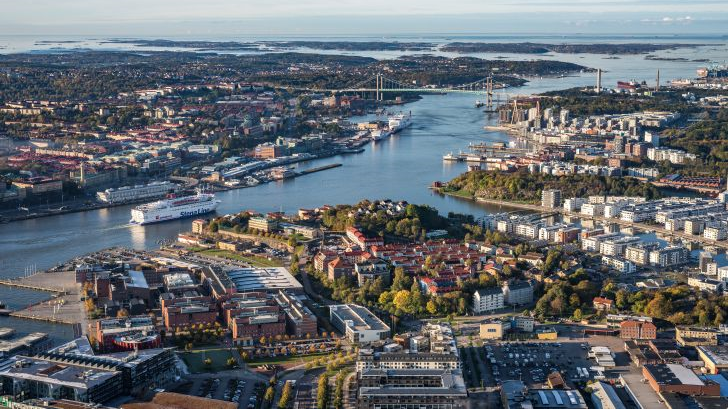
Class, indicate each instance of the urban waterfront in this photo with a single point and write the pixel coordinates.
(399, 168)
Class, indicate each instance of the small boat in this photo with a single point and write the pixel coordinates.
(4, 311)
(479, 104)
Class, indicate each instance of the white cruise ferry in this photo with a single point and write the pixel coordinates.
(174, 208)
(399, 122)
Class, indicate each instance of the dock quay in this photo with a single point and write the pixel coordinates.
(319, 169)
(37, 287)
(64, 307)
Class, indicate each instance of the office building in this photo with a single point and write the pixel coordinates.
(411, 388)
(357, 323)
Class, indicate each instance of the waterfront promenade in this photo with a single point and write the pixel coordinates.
(64, 308)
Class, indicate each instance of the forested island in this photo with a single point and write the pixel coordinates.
(541, 48)
(103, 74)
(524, 187)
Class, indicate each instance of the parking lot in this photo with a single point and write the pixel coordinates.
(532, 362)
(245, 392)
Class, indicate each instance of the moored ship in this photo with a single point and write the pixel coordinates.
(399, 122)
(380, 134)
(174, 208)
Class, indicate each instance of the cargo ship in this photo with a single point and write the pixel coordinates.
(399, 122)
(174, 208)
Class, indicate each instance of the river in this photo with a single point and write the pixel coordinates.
(399, 168)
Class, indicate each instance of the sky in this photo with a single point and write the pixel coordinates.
(352, 17)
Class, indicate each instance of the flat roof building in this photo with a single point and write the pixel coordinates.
(44, 378)
(357, 323)
(678, 379)
(715, 357)
(263, 279)
(416, 388)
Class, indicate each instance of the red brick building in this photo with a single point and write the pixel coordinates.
(180, 312)
(637, 330)
(672, 378)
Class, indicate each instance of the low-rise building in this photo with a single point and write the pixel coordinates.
(602, 304)
(358, 323)
(263, 223)
(605, 397)
(715, 357)
(637, 330)
(696, 336)
(47, 378)
(420, 388)
(371, 270)
(131, 333)
(184, 311)
(494, 329)
(673, 378)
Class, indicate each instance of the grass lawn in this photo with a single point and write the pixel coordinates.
(195, 360)
(286, 360)
(252, 260)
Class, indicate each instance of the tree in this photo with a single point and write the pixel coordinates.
(286, 396)
(417, 300)
(269, 394)
(431, 307)
(213, 227)
(231, 362)
(577, 314)
(402, 301)
(322, 395)
(208, 361)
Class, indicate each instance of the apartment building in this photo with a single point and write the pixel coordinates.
(488, 300)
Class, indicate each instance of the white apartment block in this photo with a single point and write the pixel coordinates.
(592, 209)
(715, 233)
(616, 246)
(487, 300)
(669, 256)
(619, 264)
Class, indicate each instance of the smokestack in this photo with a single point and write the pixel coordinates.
(658, 81)
(599, 80)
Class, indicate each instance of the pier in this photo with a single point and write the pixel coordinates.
(64, 307)
(318, 169)
(30, 286)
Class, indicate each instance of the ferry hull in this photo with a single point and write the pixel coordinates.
(139, 218)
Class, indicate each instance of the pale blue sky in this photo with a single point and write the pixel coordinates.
(267, 17)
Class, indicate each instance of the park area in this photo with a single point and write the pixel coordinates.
(207, 360)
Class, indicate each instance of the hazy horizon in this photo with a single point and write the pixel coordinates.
(167, 18)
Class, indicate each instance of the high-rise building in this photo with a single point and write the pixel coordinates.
(551, 198)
